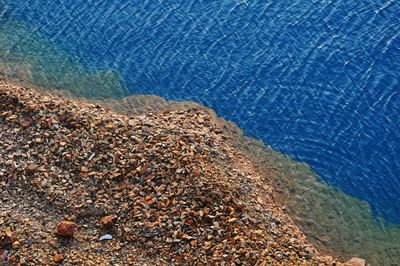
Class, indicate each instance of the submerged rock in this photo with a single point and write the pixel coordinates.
(354, 262)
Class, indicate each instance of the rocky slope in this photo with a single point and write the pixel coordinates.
(166, 186)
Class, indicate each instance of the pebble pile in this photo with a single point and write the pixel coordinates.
(82, 185)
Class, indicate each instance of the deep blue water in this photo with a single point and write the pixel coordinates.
(318, 80)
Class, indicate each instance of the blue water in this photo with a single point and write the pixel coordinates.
(318, 80)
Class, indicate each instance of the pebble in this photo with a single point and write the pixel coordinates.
(16, 244)
(109, 220)
(106, 237)
(3, 255)
(58, 258)
(66, 228)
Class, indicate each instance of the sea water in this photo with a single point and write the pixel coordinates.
(317, 80)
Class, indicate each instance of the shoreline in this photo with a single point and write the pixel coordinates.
(320, 211)
(336, 223)
(233, 169)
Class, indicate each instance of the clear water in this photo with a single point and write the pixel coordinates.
(318, 80)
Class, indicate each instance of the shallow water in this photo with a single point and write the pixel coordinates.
(318, 80)
(335, 222)
(26, 57)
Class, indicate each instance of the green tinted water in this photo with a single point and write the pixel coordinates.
(26, 57)
(335, 222)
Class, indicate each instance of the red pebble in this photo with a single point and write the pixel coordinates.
(66, 228)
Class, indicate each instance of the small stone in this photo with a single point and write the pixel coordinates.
(106, 237)
(26, 122)
(58, 258)
(109, 220)
(185, 236)
(84, 169)
(232, 220)
(30, 169)
(3, 255)
(66, 228)
(16, 244)
(9, 233)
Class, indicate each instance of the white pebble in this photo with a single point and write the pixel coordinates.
(106, 237)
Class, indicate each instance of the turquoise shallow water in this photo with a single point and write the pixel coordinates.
(316, 80)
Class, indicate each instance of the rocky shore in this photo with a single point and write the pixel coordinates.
(84, 183)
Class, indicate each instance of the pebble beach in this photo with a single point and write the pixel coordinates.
(84, 184)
